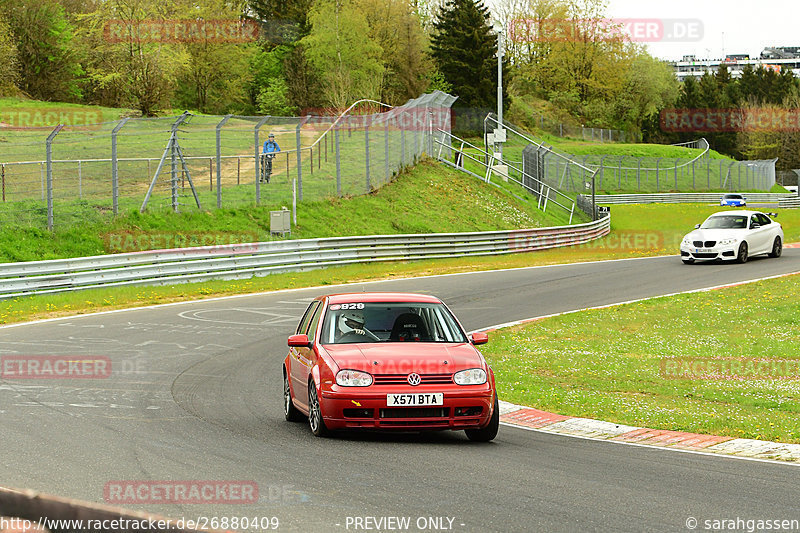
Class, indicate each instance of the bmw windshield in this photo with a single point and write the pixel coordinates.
(725, 222)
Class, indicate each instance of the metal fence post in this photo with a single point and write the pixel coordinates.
(338, 162)
(366, 150)
(49, 152)
(677, 161)
(219, 159)
(386, 150)
(297, 142)
(402, 144)
(114, 169)
(258, 158)
(658, 161)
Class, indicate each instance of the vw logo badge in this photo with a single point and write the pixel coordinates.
(414, 379)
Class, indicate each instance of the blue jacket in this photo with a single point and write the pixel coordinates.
(270, 147)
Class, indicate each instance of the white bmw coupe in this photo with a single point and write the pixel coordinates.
(733, 236)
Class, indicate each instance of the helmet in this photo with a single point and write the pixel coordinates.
(271, 135)
(350, 320)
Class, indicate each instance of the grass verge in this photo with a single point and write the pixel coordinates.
(619, 363)
(638, 231)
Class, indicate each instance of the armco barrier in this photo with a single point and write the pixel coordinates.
(688, 198)
(34, 507)
(238, 261)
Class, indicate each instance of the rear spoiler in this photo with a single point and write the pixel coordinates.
(773, 215)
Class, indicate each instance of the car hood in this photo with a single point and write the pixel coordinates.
(406, 357)
(716, 234)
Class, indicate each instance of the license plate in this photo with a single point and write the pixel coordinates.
(703, 250)
(416, 399)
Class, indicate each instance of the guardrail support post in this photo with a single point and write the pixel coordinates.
(219, 159)
(258, 157)
(114, 166)
(49, 152)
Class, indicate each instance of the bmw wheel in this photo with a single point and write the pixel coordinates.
(777, 247)
(490, 431)
(742, 256)
(314, 413)
(289, 410)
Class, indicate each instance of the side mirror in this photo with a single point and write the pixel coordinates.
(755, 225)
(479, 337)
(300, 341)
(697, 226)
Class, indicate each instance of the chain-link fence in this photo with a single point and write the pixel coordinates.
(621, 173)
(561, 129)
(61, 176)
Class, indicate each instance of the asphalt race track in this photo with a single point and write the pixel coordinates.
(196, 395)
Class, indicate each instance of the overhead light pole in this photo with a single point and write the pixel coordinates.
(499, 133)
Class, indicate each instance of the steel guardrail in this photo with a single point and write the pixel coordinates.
(689, 198)
(239, 261)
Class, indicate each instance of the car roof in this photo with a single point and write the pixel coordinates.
(380, 297)
(731, 195)
(741, 212)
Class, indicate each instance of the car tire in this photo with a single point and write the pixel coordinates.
(315, 421)
(291, 412)
(742, 256)
(489, 432)
(777, 247)
(688, 261)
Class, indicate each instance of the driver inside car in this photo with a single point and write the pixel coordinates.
(351, 328)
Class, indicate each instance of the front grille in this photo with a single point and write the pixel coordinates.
(706, 244)
(415, 412)
(402, 379)
(710, 244)
(705, 256)
(698, 244)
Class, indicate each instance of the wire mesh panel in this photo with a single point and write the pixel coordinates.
(175, 163)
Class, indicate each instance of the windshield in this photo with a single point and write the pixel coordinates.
(725, 222)
(733, 196)
(389, 322)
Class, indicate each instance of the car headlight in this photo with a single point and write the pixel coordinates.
(473, 376)
(687, 240)
(353, 378)
(724, 242)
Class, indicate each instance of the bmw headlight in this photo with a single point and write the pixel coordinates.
(353, 378)
(687, 240)
(724, 242)
(473, 376)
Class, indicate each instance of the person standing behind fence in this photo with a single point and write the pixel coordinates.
(270, 149)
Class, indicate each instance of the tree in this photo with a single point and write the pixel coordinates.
(394, 25)
(650, 86)
(464, 48)
(130, 68)
(48, 65)
(9, 74)
(341, 51)
(206, 85)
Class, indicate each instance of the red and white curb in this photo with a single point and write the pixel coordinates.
(529, 418)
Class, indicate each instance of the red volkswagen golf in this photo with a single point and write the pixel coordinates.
(388, 361)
